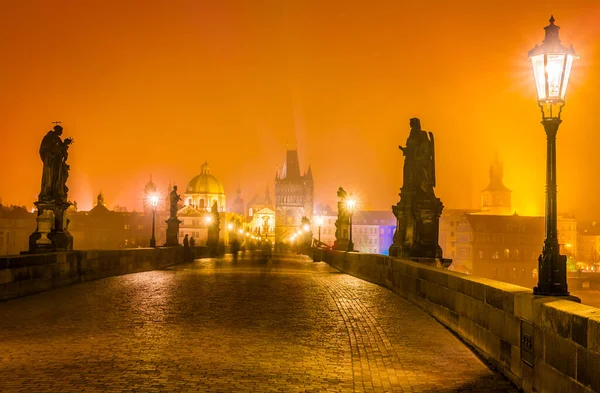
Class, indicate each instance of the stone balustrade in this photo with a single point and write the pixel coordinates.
(542, 344)
(22, 275)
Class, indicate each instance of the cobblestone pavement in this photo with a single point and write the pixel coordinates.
(286, 325)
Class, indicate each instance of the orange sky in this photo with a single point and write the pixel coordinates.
(158, 87)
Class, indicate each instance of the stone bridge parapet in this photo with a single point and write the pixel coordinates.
(542, 344)
(22, 275)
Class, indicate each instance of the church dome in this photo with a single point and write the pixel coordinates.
(205, 183)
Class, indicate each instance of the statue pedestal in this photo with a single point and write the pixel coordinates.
(342, 233)
(417, 228)
(172, 232)
(340, 244)
(52, 232)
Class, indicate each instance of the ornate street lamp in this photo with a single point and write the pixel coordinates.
(552, 62)
(350, 203)
(154, 203)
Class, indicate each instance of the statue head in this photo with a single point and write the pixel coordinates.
(174, 188)
(58, 129)
(415, 124)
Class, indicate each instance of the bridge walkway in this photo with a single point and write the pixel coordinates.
(284, 325)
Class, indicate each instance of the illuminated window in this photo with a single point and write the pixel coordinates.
(506, 253)
(480, 253)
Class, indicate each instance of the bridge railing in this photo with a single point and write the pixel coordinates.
(543, 344)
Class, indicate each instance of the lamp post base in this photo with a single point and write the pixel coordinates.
(350, 247)
(552, 276)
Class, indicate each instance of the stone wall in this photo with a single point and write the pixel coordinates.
(26, 274)
(542, 344)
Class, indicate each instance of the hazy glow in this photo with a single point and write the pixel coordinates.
(208, 219)
(230, 226)
(319, 220)
(554, 70)
(164, 87)
(306, 227)
(154, 200)
(351, 203)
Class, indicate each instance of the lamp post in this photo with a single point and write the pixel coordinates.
(154, 202)
(230, 232)
(319, 224)
(552, 64)
(350, 203)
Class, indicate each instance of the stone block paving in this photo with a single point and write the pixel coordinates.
(285, 325)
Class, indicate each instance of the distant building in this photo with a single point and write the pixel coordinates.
(104, 229)
(294, 196)
(373, 231)
(588, 247)
(204, 190)
(496, 198)
(262, 222)
(238, 206)
(199, 196)
(16, 224)
(261, 215)
(447, 232)
(566, 226)
(499, 247)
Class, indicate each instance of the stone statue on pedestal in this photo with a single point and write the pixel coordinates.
(213, 230)
(418, 212)
(172, 221)
(342, 224)
(52, 232)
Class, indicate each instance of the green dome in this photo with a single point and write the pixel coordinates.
(205, 183)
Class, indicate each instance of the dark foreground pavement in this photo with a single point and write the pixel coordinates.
(286, 325)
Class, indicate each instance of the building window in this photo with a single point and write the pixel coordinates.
(480, 253)
(506, 253)
(495, 255)
(126, 226)
(451, 234)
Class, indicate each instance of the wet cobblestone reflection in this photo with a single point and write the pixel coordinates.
(286, 325)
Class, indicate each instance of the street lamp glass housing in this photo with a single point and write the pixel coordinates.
(319, 220)
(154, 200)
(208, 219)
(351, 203)
(552, 62)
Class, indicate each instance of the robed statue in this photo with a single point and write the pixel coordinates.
(174, 198)
(54, 154)
(418, 211)
(342, 224)
(419, 162)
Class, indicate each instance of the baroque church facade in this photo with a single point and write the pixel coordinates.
(294, 196)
